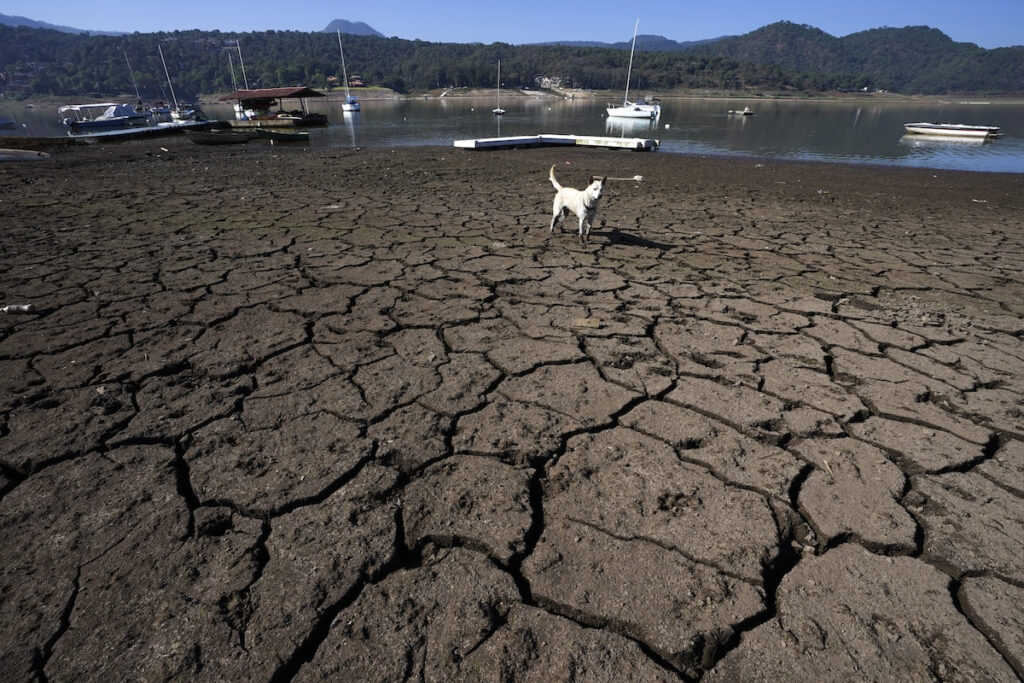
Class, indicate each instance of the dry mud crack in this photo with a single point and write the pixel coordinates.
(356, 415)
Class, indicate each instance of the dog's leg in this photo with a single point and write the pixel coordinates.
(557, 214)
(555, 217)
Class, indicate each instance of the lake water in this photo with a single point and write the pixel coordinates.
(866, 131)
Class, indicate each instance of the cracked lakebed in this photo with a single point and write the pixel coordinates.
(294, 415)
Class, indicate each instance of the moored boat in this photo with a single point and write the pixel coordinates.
(952, 130)
(276, 135)
(634, 110)
(83, 118)
(351, 103)
(218, 137)
(498, 111)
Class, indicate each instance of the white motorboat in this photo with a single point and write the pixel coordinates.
(634, 110)
(498, 111)
(81, 118)
(952, 130)
(351, 103)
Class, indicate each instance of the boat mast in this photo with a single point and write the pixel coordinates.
(166, 73)
(231, 65)
(499, 84)
(625, 99)
(238, 44)
(132, 74)
(344, 72)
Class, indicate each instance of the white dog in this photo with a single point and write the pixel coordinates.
(583, 203)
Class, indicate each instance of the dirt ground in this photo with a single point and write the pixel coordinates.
(283, 414)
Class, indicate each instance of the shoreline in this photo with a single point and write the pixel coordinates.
(483, 93)
(49, 144)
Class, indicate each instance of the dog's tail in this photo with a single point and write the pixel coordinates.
(554, 182)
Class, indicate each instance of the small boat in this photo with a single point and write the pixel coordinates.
(638, 109)
(181, 112)
(498, 111)
(277, 135)
(83, 118)
(216, 137)
(952, 130)
(746, 111)
(22, 155)
(350, 103)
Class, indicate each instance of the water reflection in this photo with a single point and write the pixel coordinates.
(931, 141)
(629, 128)
(350, 120)
(857, 131)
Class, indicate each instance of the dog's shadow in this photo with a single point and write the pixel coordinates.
(616, 236)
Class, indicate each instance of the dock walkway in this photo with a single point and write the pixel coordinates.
(553, 140)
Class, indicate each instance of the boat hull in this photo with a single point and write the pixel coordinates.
(635, 111)
(282, 136)
(109, 124)
(217, 138)
(951, 130)
(282, 121)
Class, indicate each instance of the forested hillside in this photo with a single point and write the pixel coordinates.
(914, 59)
(780, 57)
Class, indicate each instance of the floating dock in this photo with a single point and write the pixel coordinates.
(168, 128)
(551, 140)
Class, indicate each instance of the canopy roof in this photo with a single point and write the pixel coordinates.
(92, 105)
(297, 91)
(102, 111)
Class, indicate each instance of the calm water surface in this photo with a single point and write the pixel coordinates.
(866, 131)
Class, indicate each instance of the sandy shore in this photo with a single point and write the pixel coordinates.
(357, 415)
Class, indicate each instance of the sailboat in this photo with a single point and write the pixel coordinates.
(350, 103)
(498, 111)
(638, 109)
(177, 114)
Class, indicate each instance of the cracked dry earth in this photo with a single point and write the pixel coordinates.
(356, 415)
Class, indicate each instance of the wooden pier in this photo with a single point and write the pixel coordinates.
(167, 128)
(552, 140)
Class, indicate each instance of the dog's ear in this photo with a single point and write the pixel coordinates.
(604, 180)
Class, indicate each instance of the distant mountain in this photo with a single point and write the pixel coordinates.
(914, 59)
(356, 28)
(650, 43)
(9, 20)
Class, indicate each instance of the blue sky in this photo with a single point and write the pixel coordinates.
(995, 23)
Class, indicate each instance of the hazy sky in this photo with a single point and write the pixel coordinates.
(995, 23)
